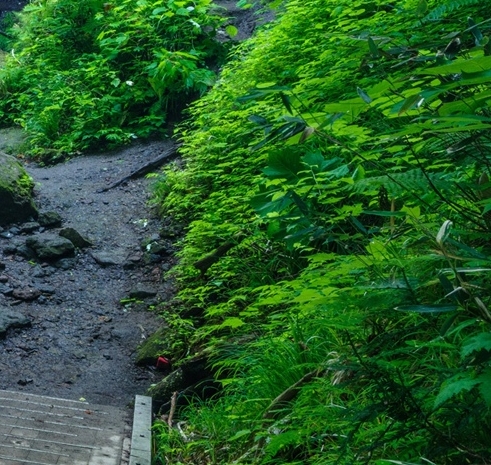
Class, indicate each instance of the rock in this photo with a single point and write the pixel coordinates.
(162, 248)
(50, 247)
(75, 238)
(16, 186)
(26, 293)
(188, 378)
(107, 258)
(29, 227)
(66, 263)
(141, 292)
(5, 289)
(50, 219)
(10, 249)
(132, 260)
(47, 289)
(25, 251)
(157, 344)
(24, 382)
(11, 319)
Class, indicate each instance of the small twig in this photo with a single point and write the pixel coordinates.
(181, 432)
(147, 168)
(288, 394)
(172, 408)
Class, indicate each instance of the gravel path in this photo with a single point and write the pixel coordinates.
(82, 340)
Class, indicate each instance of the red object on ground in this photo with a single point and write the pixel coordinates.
(163, 363)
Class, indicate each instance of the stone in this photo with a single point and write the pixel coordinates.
(132, 260)
(26, 293)
(29, 227)
(10, 249)
(66, 263)
(16, 192)
(11, 319)
(50, 219)
(50, 247)
(5, 289)
(141, 292)
(25, 251)
(154, 346)
(107, 258)
(75, 238)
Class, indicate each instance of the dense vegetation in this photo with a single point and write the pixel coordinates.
(336, 266)
(94, 74)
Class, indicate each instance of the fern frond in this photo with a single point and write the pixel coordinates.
(448, 7)
(398, 184)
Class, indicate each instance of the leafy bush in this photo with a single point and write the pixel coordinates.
(95, 74)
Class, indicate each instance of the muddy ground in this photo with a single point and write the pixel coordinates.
(82, 340)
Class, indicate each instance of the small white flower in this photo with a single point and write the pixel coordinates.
(129, 83)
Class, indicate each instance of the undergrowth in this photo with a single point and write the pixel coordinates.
(94, 74)
(336, 185)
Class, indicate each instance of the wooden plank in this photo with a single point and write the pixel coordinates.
(141, 438)
(45, 431)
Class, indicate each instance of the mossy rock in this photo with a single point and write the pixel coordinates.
(16, 196)
(153, 347)
(12, 140)
(192, 378)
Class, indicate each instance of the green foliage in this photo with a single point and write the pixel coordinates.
(93, 74)
(345, 153)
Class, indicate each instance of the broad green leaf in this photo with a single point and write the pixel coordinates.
(364, 96)
(474, 30)
(485, 385)
(232, 322)
(476, 344)
(427, 308)
(410, 103)
(240, 434)
(372, 46)
(358, 174)
(231, 30)
(385, 213)
(473, 65)
(283, 164)
(422, 8)
(286, 102)
(454, 386)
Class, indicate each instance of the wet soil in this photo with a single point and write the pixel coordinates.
(82, 339)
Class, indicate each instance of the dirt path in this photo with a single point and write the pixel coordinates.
(82, 340)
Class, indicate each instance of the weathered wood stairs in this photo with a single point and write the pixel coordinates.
(39, 430)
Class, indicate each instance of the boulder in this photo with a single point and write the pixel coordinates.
(50, 219)
(192, 378)
(50, 247)
(16, 202)
(75, 238)
(157, 344)
(11, 319)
